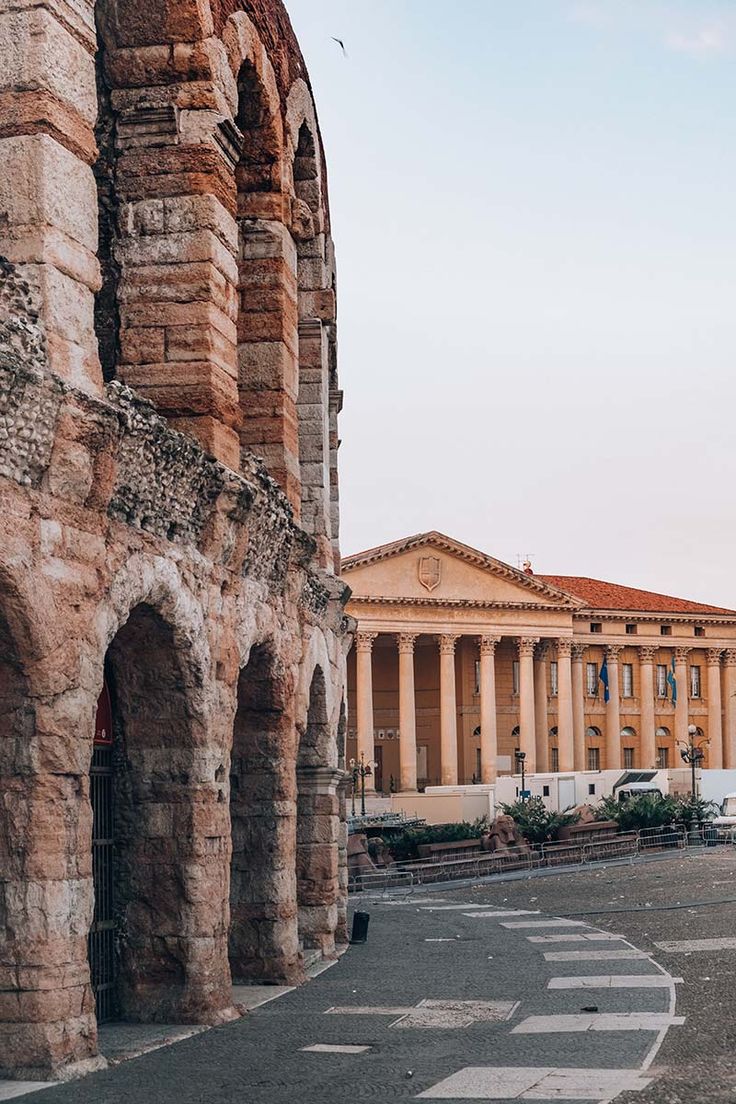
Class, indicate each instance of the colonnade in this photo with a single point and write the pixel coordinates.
(533, 707)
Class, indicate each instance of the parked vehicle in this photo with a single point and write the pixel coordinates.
(725, 822)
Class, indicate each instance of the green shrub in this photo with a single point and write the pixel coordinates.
(649, 810)
(536, 822)
(405, 845)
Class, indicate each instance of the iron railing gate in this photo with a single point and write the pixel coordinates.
(102, 960)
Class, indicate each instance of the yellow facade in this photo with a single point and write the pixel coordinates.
(448, 637)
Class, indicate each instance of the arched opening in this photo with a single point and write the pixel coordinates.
(262, 943)
(663, 752)
(628, 747)
(317, 828)
(554, 750)
(161, 812)
(593, 748)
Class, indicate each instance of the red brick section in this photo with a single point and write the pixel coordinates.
(610, 596)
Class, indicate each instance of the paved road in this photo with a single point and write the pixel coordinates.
(510, 990)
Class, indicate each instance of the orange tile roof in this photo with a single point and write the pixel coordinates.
(610, 596)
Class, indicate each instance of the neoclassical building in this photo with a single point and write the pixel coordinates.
(461, 660)
(172, 625)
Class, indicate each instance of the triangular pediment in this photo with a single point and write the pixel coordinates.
(432, 566)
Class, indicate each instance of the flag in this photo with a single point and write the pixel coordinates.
(603, 676)
(672, 681)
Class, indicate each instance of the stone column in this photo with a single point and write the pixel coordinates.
(407, 714)
(541, 720)
(648, 732)
(364, 698)
(613, 710)
(488, 734)
(715, 724)
(527, 742)
(317, 856)
(729, 709)
(578, 705)
(565, 722)
(682, 712)
(448, 710)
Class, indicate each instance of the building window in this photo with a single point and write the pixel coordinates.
(477, 764)
(545, 791)
(591, 679)
(663, 758)
(631, 630)
(594, 758)
(596, 626)
(553, 678)
(477, 677)
(628, 758)
(515, 676)
(665, 630)
(591, 788)
(699, 630)
(694, 682)
(661, 680)
(627, 680)
(554, 760)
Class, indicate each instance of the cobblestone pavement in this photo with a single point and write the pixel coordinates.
(461, 994)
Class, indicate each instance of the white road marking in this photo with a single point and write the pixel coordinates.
(597, 1021)
(478, 905)
(449, 939)
(592, 956)
(697, 945)
(366, 1010)
(613, 981)
(435, 1013)
(544, 1083)
(573, 937)
(495, 915)
(544, 924)
(11, 1090)
(335, 1048)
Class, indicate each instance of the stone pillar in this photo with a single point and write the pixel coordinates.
(407, 714)
(729, 709)
(682, 713)
(565, 722)
(488, 733)
(317, 866)
(314, 435)
(648, 733)
(715, 724)
(527, 741)
(364, 698)
(48, 195)
(448, 710)
(578, 705)
(541, 720)
(613, 710)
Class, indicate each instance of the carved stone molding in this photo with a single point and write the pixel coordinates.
(364, 640)
(714, 657)
(488, 644)
(526, 646)
(729, 657)
(647, 654)
(541, 651)
(613, 651)
(564, 648)
(406, 642)
(578, 652)
(681, 654)
(447, 642)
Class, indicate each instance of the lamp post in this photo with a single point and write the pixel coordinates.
(360, 770)
(520, 757)
(693, 754)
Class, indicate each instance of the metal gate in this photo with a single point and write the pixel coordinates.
(101, 942)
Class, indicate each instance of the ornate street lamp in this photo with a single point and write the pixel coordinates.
(360, 770)
(693, 754)
(520, 757)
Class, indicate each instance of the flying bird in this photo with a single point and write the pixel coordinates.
(340, 43)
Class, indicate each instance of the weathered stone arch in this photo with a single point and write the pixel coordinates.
(262, 939)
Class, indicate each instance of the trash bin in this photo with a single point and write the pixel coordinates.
(359, 933)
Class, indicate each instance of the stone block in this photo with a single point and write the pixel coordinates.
(40, 53)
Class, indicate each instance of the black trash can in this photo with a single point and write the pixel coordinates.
(359, 933)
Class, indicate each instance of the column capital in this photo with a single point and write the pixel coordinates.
(578, 651)
(613, 651)
(647, 653)
(541, 651)
(488, 644)
(447, 642)
(564, 647)
(681, 654)
(526, 645)
(714, 656)
(364, 640)
(729, 657)
(406, 642)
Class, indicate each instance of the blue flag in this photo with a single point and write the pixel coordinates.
(603, 676)
(672, 681)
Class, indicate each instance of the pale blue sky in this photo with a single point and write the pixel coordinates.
(533, 208)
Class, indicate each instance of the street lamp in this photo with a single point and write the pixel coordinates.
(360, 770)
(520, 757)
(693, 754)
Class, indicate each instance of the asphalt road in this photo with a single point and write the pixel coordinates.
(419, 950)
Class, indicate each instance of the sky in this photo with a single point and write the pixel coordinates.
(534, 212)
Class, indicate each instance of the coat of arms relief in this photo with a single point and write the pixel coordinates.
(430, 572)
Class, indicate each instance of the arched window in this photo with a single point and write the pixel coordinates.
(628, 751)
(594, 752)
